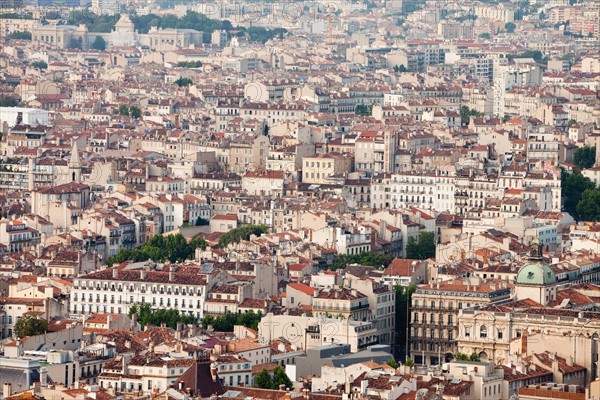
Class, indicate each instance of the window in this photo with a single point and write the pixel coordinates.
(500, 334)
(483, 331)
(467, 331)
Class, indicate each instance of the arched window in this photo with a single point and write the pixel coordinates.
(483, 331)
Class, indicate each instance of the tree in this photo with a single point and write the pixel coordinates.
(29, 325)
(8, 102)
(422, 248)
(510, 27)
(19, 35)
(365, 258)
(99, 43)
(409, 362)
(392, 363)
(585, 157)
(169, 316)
(263, 380)
(572, 122)
(466, 113)
(181, 82)
(474, 357)
(485, 35)
(39, 64)
(403, 322)
(202, 222)
(243, 233)
(588, 208)
(399, 68)
(226, 322)
(173, 248)
(462, 357)
(135, 112)
(363, 109)
(123, 110)
(573, 186)
(281, 378)
(189, 64)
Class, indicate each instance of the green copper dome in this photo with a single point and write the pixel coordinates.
(536, 272)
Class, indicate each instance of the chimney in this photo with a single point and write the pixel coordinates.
(143, 274)
(37, 387)
(306, 393)
(363, 387)
(115, 272)
(570, 361)
(44, 376)
(282, 387)
(171, 274)
(213, 371)
(288, 395)
(7, 390)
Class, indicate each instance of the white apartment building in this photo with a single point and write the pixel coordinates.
(382, 304)
(426, 190)
(308, 332)
(115, 290)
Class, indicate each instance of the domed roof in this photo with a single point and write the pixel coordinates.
(536, 272)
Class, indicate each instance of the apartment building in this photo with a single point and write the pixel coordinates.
(382, 306)
(309, 332)
(248, 153)
(434, 315)
(319, 167)
(426, 190)
(115, 290)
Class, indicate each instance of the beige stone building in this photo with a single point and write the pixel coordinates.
(320, 167)
(249, 153)
(435, 311)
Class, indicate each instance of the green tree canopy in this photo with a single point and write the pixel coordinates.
(6, 101)
(466, 113)
(392, 363)
(281, 378)
(585, 157)
(226, 322)
(189, 64)
(263, 380)
(181, 82)
(170, 317)
(422, 248)
(19, 35)
(99, 43)
(588, 208)
(363, 109)
(573, 186)
(510, 27)
(242, 233)
(39, 64)
(173, 248)
(365, 258)
(123, 110)
(403, 321)
(29, 325)
(135, 112)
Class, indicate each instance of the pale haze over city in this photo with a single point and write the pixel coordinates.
(299, 200)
